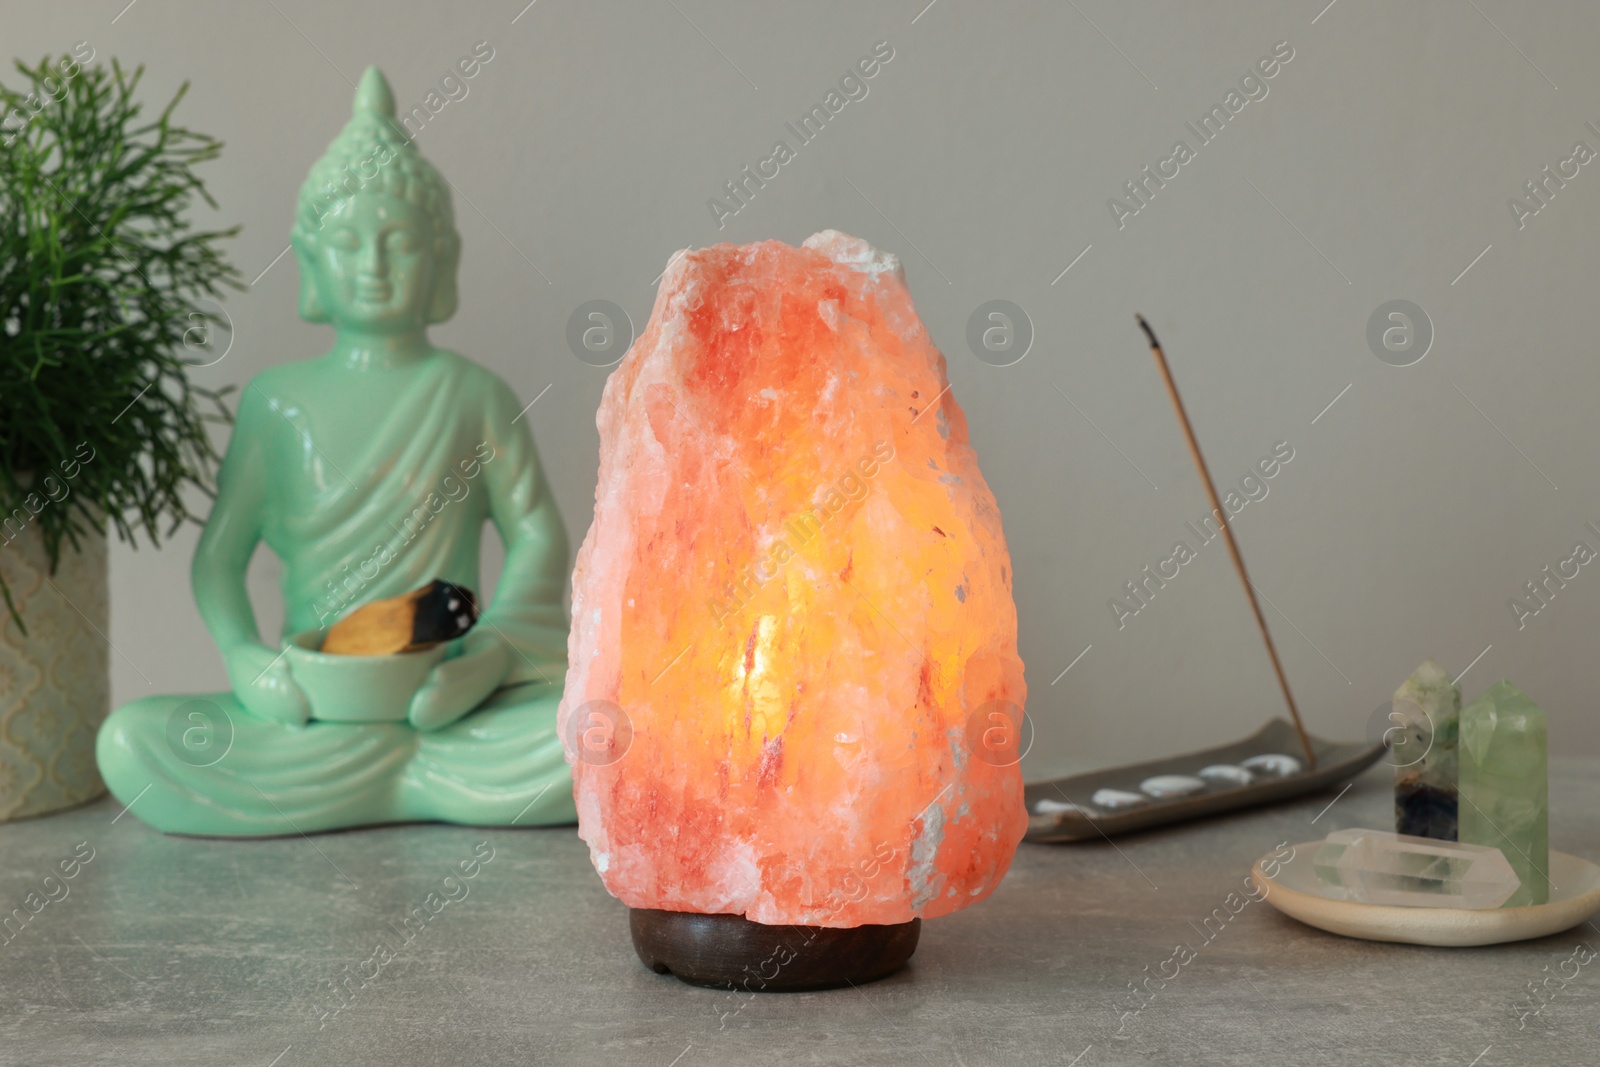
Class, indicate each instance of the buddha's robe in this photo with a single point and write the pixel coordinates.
(451, 455)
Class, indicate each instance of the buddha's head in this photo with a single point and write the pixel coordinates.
(373, 232)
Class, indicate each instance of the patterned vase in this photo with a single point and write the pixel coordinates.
(55, 679)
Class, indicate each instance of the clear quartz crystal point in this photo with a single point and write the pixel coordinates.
(1379, 867)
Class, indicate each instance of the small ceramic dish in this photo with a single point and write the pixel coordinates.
(358, 688)
(1300, 894)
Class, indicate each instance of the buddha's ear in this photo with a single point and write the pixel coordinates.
(445, 296)
(312, 308)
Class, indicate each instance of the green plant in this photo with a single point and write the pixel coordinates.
(101, 274)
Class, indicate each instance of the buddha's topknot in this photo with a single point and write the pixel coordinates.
(374, 154)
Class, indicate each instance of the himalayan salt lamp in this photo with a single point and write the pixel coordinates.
(794, 699)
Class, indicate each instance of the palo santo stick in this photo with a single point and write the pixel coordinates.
(439, 611)
(1227, 534)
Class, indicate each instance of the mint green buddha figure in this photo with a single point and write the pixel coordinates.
(369, 472)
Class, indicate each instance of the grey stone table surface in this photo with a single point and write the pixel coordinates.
(172, 951)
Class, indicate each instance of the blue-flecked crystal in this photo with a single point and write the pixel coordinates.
(1424, 719)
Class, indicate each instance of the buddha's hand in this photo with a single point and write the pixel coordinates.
(261, 682)
(457, 686)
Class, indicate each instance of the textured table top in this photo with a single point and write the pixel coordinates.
(169, 951)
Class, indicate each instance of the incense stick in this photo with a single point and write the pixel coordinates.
(1227, 533)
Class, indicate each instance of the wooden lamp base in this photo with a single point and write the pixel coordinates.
(732, 952)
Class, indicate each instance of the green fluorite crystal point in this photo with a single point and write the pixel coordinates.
(1425, 717)
(1504, 785)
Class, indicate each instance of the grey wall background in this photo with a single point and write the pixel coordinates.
(1378, 167)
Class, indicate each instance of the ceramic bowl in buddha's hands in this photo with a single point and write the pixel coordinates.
(358, 688)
